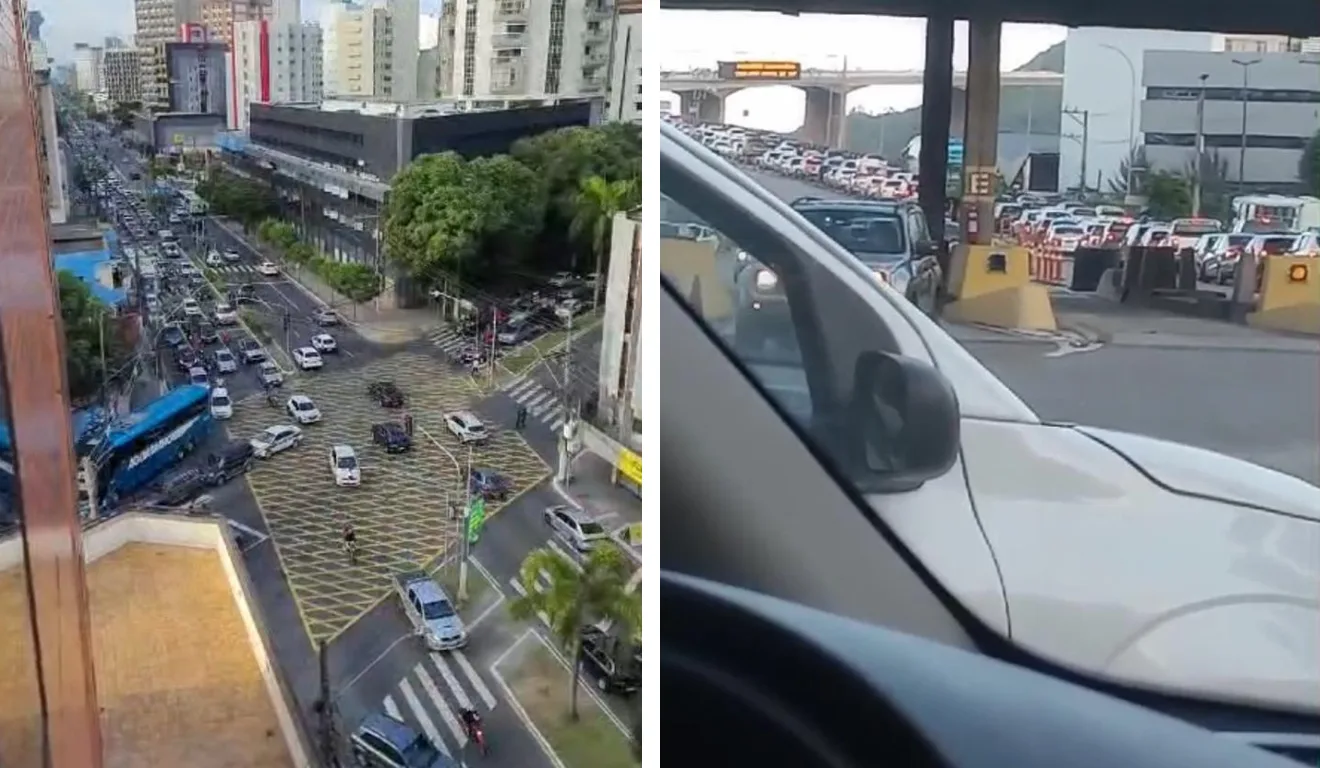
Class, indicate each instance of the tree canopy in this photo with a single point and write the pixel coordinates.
(480, 221)
(229, 194)
(88, 322)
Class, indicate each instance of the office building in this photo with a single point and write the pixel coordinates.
(113, 43)
(492, 50)
(121, 75)
(159, 22)
(54, 183)
(330, 163)
(1260, 110)
(372, 51)
(196, 74)
(87, 67)
(219, 16)
(273, 61)
(624, 99)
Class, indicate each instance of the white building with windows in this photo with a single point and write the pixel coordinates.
(620, 375)
(272, 62)
(373, 50)
(121, 76)
(624, 100)
(547, 48)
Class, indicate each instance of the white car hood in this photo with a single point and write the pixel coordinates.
(1149, 562)
(1196, 471)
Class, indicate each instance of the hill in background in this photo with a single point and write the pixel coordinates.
(1031, 109)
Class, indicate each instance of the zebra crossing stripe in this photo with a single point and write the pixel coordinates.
(558, 550)
(451, 681)
(521, 590)
(392, 709)
(477, 683)
(443, 708)
(520, 388)
(558, 422)
(423, 719)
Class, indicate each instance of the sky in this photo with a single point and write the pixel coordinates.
(702, 38)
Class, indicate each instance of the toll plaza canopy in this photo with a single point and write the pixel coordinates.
(1296, 18)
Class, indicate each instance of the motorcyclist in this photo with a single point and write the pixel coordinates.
(471, 722)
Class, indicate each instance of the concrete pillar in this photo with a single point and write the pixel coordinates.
(823, 121)
(701, 106)
(936, 108)
(981, 135)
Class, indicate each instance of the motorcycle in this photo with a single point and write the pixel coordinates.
(478, 736)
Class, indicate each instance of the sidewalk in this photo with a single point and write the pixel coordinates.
(381, 326)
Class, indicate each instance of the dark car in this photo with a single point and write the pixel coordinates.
(386, 393)
(616, 665)
(231, 460)
(172, 335)
(185, 359)
(489, 483)
(383, 742)
(182, 487)
(207, 333)
(391, 436)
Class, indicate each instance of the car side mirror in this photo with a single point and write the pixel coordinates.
(927, 248)
(905, 423)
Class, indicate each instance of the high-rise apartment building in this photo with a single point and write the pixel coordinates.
(273, 61)
(87, 67)
(502, 48)
(196, 72)
(158, 22)
(624, 100)
(121, 76)
(373, 51)
(219, 16)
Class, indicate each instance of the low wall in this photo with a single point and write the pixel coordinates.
(105, 537)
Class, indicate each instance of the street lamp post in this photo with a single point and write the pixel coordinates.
(1132, 109)
(1242, 149)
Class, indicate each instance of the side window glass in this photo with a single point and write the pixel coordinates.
(920, 232)
(738, 297)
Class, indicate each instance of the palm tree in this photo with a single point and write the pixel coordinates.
(572, 599)
(596, 203)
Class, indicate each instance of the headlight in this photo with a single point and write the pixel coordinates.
(742, 256)
(766, 280)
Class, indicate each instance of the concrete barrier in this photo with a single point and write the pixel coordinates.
(1089, 266)
(992, 285)
(1290, 295)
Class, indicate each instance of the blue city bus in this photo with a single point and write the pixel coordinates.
(136, 449)
(85, 423)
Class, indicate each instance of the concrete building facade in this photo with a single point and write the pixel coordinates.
(53, 172)
(623, 101)
(219, 16)
(121, 75)
(87, 67)
(372, 51)
(1102, 76)
(196, 76)
(556, 48)
(620, 376)
(159, 22)
(1270, 99)
(272, 62)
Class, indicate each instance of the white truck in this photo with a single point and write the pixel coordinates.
(433, 616)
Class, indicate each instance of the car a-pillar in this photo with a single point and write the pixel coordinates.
(989, 283)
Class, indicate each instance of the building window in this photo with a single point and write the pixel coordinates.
(1267, 95)
(1226, 141)
(554, 60)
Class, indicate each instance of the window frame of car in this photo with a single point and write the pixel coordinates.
(381, 745)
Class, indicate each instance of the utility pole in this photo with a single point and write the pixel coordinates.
(565, 401)
(1242, 148)
(1083, 118)
(494, 340)
(326, 710)
(105, 374)
(464, 544)
(1198, 172)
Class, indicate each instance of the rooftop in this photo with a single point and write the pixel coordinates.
(180, 670)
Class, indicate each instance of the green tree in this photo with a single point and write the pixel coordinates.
(231, 195)
(300, 254)
(1169, 195)
(563, 158)
(124, 112)
(1216, 195)
(449, 216)
(1118, 180)
(593, 218)
(574, 599)
(88, 329)
(1308, 168)
(357, 282)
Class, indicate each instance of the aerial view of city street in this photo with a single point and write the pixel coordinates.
(394, 387)
(1002, 335)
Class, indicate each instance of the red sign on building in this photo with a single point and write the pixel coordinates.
(192, 33)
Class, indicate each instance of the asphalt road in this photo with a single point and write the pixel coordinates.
(1223, 387)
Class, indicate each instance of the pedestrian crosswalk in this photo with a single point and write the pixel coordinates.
(235, 269)
(543, 579)
(541, 404)
(433, 695)
(448, 340)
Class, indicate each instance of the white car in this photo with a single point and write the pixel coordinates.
(269, 374)
(303, 410)
(568, 309)
(213, 259)
(307, 358)
(225, 314)
(232, 255)
(198, 375)
(268, 269)
(191, 308)
(324, 343)
(222, 407)
(344, 466)
(275, 439)
(225, 362)
(576, 527)
(466, 427)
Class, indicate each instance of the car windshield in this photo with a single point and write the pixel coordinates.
(437, 609)
(305, 405)
(223, 355)
(474, 428)
(592, 529)
(861, 231)
(420, 754)
(272, 434)
(346, 462)
(220, 400)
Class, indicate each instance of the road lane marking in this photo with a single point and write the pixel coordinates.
(415, 704)
(476, 680)
(374, 662)
(392, 709)
(441, 706)
(521, 590)
(451, 680)
(558, 550)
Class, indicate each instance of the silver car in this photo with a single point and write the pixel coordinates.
(576, 527)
